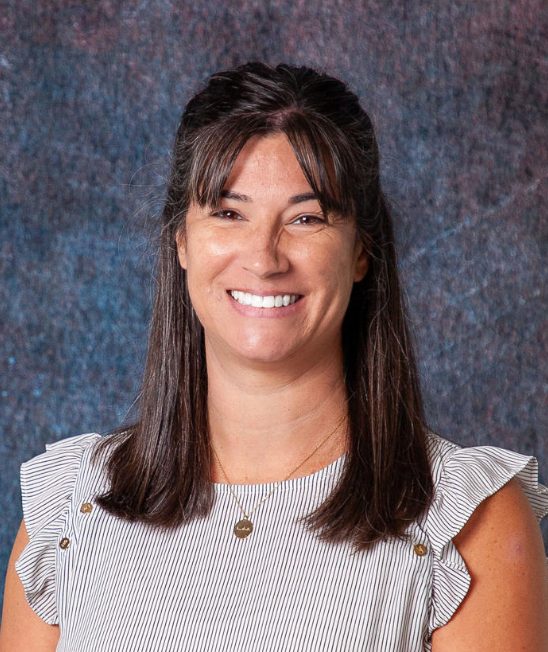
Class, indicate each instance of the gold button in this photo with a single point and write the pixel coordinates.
(64, 543)
(86, 508)
(420, 549)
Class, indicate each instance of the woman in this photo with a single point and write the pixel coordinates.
(280, 490)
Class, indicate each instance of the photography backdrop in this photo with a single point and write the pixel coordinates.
(91, 94)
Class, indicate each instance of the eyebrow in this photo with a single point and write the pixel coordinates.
(296, 199)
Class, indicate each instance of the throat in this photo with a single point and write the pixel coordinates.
(264, 473)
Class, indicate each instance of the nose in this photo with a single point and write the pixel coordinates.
(264, 253)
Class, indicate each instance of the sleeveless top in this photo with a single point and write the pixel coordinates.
(117, 586)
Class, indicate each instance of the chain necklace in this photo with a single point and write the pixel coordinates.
(244, 527)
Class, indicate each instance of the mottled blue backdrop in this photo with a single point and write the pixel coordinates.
(91, 94)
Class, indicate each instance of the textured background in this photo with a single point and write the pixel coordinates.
(90, 101)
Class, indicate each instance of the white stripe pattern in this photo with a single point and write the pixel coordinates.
(121, 586)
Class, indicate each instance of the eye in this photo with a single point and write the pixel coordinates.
(310, 219)
(228, 215)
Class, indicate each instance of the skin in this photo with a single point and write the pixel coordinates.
(276, 386)
(276, 390)
(22, 630)
(506, 609)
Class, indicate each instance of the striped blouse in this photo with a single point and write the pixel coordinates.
(117, 586)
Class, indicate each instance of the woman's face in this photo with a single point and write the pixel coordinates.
(268, 238)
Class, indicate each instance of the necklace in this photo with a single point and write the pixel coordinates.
(244, 527)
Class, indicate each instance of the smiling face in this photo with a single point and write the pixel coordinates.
(268, 238)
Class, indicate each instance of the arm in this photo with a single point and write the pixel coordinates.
(22, 630)
(506, 607)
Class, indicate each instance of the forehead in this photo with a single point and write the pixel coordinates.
(291, 162)
(267, 164)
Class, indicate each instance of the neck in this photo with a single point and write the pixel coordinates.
(264, 423)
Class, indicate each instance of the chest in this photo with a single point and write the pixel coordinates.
(124, 586)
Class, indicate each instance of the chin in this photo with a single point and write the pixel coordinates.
(262, 352)
(263, 356)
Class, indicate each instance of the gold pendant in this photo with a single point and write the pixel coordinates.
(243, 528)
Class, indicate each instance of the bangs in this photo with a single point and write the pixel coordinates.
(320, 149)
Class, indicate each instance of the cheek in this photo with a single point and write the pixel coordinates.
(216, 247)
(206, 254)
(207, 259)
(328, 264)
(334, 267)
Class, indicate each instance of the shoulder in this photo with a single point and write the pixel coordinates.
(62, 455)
(49, 482)
(68, 451)
(505, 608)
(49, 478)
(485, 517)
(465, 476)
(22, 628)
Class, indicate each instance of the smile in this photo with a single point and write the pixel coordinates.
(256, 301)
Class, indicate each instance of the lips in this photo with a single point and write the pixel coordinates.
(267, 293)
(266, 301)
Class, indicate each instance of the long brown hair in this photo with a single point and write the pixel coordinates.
(159, 466)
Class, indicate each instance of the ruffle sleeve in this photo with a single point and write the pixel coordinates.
(464, 477)
(47, 483)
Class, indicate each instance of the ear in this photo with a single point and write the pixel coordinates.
(362, 261)
(181, 249)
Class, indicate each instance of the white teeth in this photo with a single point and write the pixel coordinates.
(257, 301)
